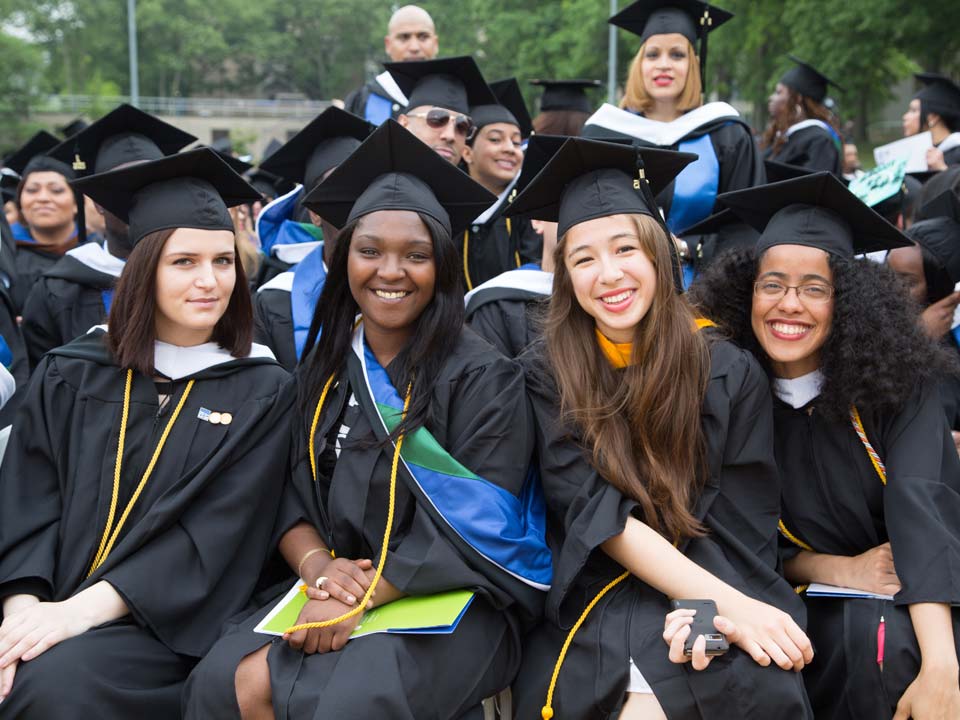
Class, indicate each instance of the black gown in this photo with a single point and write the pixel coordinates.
(739, 506)
(834, 501)
(481, 416)
(66, 302)
(509, 313)
(31, 263)
(191, 550)
(496, 246)
(812, 148)
(273, 320)
(950, 390)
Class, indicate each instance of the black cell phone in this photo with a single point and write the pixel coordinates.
(702, 625)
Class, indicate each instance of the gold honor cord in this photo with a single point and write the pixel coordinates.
(110, 533)
(466, 247)
(361, 606)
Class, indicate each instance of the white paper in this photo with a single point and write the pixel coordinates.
(913, 149)
(821, 590)
(956, 312)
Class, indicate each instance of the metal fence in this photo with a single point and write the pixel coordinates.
(193, 106)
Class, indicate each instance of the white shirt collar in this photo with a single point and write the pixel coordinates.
(797, 392)
(98, 258)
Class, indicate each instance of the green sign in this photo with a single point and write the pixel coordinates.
(881, 183)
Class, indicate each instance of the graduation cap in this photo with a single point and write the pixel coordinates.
(454, 83)
(569, 95)
(939, 232)
(39, 144)
(236, 164)
(722, 231)
(271, 148)
(939, 94)
(816, 210)
(189, 190)
(691, 18)
(807, 80)
(539, 150)
(588, 179)
(73, 127)
(394, 170)
(9, 181)
(324, 143)
(124, 135)
(269, 185)
(510, 108)
(778, 171)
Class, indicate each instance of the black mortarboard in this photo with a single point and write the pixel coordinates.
(691, 18)
(510, 108)
(189, 190)
(236, 164)
(816, 211)
(588, 179)
(807, 80)
(39, 144)
(73, 127)
(271, 148)
(223, 145)
(267, 184)
(939, 94)
(719, 233)
(8, 185)
(393, 170)
(778, 171)
(124, 135)
(539, 150)
(568, 95)
(454, 83)
(939, 232)
(324, 143)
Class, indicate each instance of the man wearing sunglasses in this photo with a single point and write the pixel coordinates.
(411, 37)
(440, 94)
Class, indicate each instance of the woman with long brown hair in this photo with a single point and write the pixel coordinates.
(140, 482)
(656, 457)
(802, 130)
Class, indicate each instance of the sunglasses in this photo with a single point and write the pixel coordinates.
(437, 118)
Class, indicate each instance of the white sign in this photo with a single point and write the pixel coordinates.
(913, 149)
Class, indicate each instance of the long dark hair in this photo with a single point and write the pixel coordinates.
(876, 354)
(775, 136)
(641, 425)
(132, 313)
(421, 359)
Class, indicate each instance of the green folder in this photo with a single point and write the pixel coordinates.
(424, 614)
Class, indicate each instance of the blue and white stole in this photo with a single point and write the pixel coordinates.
(506, 531)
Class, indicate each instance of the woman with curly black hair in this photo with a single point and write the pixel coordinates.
(870, 476)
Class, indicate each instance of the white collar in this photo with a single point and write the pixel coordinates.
(486, 214)
(292, 253)
(535, 281)
(949, 142)
(656, 132)
(811, 122)
(283, 281)
(797, 392)
(393, 90)
(98, 258)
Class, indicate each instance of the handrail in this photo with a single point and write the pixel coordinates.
(188, 106)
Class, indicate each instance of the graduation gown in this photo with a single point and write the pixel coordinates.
(31, 262)
(69, 299)
(273, 319)
(481, 417)
(508, 310)
(376, 100)
(950, 147)
(493, 244)
(950, 390)
(810, 144)
(729, 158)
(834, 501)
(739, 506)
(191, 549)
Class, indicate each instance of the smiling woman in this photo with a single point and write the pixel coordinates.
(869, 471)
(143, 452)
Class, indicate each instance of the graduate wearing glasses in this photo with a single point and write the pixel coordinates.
(869, 471)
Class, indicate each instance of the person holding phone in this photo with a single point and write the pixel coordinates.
(869, 471)
(656, 489)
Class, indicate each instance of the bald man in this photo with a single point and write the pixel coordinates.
(411, 36)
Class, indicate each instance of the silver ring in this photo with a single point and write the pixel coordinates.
(320, 581)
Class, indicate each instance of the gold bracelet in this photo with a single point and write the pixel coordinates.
(307, 555)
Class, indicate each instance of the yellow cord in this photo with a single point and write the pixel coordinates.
(793, 538)
(547, 712)
(466, 267)
(107, 545)
(871, 453)
(313, 427)
(362, 605)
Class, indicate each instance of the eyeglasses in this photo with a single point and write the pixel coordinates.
(437, 118)
(813, 293)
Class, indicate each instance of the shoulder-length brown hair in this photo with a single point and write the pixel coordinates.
(132, 331)
(642, 424)
(637, 99)
(799, 107)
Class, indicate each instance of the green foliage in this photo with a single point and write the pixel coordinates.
(21, 83)
(325, 48)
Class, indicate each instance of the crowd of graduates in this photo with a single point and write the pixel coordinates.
(664, 407)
